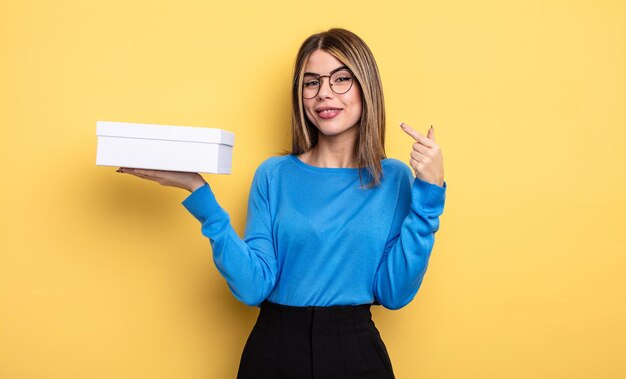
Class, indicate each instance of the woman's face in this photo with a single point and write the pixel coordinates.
(333, 114)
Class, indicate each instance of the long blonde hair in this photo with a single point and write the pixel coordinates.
(352, 51)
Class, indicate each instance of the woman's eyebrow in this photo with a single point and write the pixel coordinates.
(332, 72)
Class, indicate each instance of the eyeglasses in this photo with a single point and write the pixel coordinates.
(340, 81)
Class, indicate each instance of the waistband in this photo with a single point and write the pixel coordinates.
(331, 309)
(279, 316)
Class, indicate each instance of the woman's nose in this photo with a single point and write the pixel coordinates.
(325, 89)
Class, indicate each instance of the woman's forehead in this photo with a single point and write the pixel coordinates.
(321, 62)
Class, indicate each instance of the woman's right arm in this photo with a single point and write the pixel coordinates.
(249, 265)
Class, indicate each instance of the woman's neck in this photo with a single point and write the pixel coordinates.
(332, 152)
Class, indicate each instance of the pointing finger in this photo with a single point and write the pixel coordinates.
(419, 137)
(410, 131)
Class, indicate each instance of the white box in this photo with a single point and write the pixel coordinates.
(163, 147)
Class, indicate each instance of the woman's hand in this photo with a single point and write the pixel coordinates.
(426, 157)
(190, 181)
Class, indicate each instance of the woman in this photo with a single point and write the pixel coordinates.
(332, 228)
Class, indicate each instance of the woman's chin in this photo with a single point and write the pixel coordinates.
(335, 131)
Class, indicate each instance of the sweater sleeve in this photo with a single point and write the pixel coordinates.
(410, 242)
(248, 265)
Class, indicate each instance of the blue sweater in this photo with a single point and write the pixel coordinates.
(314, 236)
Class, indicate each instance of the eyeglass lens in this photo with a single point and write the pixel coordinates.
(340, 83)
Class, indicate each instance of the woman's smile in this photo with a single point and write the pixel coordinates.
(327, 113)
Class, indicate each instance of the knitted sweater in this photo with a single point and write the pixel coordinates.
(315, 237)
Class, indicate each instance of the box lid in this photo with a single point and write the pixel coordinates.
(164, 132)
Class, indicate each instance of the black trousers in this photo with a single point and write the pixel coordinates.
(314, 343)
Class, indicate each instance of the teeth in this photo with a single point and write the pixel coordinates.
(329, 110)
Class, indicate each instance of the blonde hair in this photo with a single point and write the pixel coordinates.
(352, 51)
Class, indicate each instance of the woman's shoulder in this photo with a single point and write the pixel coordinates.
(272, 164)
(397, 177)
(395, 167)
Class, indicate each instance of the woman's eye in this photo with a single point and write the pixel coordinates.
(343, 79)
(311, 83)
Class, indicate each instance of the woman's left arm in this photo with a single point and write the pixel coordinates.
(416, 219)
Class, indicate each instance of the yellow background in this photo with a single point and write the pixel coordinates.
(104, 275)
